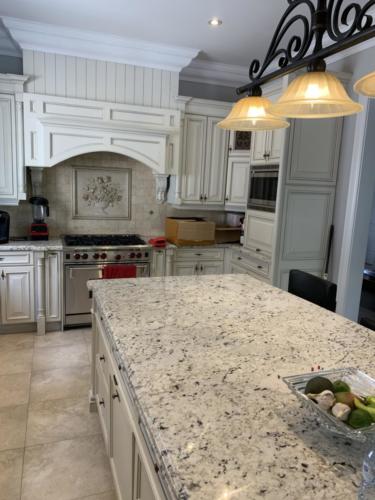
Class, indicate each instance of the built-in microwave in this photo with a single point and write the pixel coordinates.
(263, 187)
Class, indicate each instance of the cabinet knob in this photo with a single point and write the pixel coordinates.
(201, 197)
(258, 250)
(227, 198)
(260, 267)
(196, 268)
(101, 402)
(239, 258)
(205, 197)
(2, 275)
(102, 358)
(116, 395)
(201, 268)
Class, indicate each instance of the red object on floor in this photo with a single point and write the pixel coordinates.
(115, 271)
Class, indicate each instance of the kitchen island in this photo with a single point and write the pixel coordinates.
(199, 361)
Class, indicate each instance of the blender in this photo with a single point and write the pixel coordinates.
(39, 228)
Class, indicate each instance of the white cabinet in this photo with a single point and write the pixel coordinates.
(239, 143)
(266, 146)
(259, 229)
(142, 485)
(12, 165)
(158, 266)
(17, 294)
(53, 286)
(237, 182)
(204, 161)
(193, 161)
(191, 262)
(122, 443)
(314, 151)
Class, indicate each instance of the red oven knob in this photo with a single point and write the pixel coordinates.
(77, 256)
(85, 256)
(139, 255)
(96, 256)
(118, 257)
(103, 256)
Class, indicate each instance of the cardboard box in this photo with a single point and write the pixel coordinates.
(189, 231)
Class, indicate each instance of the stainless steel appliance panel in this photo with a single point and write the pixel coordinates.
(263, 187)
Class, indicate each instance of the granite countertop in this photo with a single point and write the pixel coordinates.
(30, 246)
(203, 357)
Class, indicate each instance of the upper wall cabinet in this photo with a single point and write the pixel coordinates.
(12, 170)
(204, 161)
(314, 150)
(237, 182)
(266, 146)
(239, 143)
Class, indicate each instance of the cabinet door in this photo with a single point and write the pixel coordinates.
(8, 182)
(274, 144)
(185, 268)
(314, 151)
(53, 286)
(142, 486)
(239, 143)
(258, 149)
(193, 158)
(237, 181)
(259, 231)
(122, 443)
(158, 263)
(206, 268)
(216, 163)
(103, 403)
(17, 294)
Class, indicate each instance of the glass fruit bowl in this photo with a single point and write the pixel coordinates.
(360, 384)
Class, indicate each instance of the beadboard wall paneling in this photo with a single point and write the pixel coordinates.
(70, 76)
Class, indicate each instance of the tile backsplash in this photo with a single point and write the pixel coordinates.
(147, 216)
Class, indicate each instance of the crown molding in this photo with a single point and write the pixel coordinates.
(214, 73)
(43, 37)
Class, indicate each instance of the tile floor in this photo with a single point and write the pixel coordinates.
(51, 446)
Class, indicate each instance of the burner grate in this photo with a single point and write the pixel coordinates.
(103, 240)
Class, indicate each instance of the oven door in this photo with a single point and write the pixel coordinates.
(263, 190)
(77, 299)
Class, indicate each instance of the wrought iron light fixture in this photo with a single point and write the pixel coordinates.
(325, 27)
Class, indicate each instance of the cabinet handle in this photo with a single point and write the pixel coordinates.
(2, 275)
(260, 267)
(101, 402)
(201, 268)
(196, 268)
(201, 197)
(227, 198)
(198, 255)
(239, 258)
(102, 358)
(116, 395)
(205, 197)
(258, 250)
(115, 380)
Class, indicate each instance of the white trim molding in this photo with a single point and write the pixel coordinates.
(50, 38)
(214, 73)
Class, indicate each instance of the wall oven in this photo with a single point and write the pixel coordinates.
(263, 187)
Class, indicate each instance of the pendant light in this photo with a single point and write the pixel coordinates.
(366, 85)
(251, 113)
(316, 94)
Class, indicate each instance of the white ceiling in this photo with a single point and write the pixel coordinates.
(245, 33)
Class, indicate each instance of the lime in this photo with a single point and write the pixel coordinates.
(340, 386)
(359, 419)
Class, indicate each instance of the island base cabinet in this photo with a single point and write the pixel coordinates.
(142, 486)
(122, 444)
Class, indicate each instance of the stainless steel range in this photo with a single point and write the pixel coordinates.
(84, 259)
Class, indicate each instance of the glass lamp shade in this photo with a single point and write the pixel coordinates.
(316, 94)
(366, 85)
(251, 114)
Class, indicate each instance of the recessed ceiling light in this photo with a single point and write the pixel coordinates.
(215, 21)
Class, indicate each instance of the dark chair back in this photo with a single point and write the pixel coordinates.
(316, 290)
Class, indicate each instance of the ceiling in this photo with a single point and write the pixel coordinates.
(245, 32)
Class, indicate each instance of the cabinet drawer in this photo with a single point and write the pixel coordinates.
(256, 265)
(15, 258)
(200, 254)
(259, 232)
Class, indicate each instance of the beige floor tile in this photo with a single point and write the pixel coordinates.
(60, 419)
(13, 427)
(111, 495)
(12, 341)
(14, 389)
(60, 383)
(18, 361)
(48, 358)
(10, 474)
(55, 339)
(66, 470)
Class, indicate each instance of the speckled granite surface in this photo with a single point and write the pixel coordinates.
(30, 246)
(203, 356)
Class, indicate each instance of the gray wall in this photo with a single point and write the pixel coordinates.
(10, 64)
(358, 65)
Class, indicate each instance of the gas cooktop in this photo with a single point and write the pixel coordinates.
(102, 240)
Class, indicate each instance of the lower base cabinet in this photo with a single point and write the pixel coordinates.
(17, 294)
(131, 463)
(192, 262)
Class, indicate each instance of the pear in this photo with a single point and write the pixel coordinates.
(347, 398)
